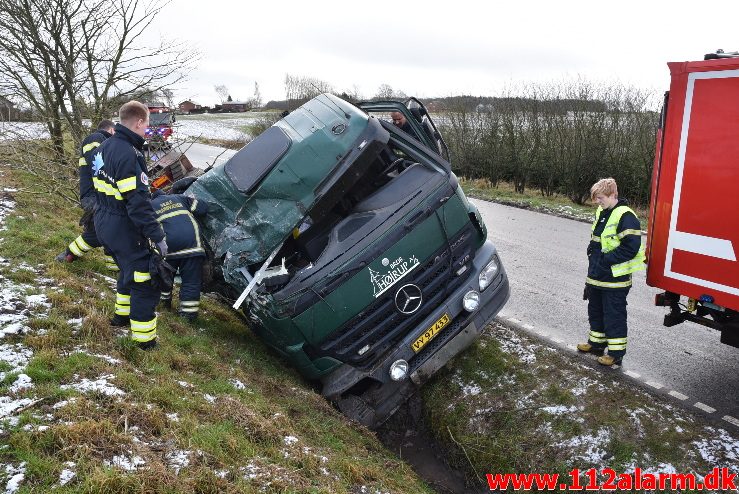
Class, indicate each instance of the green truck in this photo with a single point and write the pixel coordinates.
(352, 250)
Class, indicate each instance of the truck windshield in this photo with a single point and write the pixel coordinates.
(160, 119)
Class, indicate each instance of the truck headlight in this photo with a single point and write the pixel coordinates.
(471, 301)
(399, 370)
(488, 273)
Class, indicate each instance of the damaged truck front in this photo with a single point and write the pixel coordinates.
(362, 261)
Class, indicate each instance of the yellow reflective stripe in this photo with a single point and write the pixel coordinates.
(608, 284)
(144, 326)
(89, 147)
(198, 247)
(82, 244)
(106, 188)
(594, 238)
(172, 214)
(82, 162)
(165, 295)
(143, 338)
(186, 251)
(122, 299)
(75, 250)
(126, 184)
(139, 277)
(123, 310)
(596, 337)
(630, 231)
(188, 309)
(194, 205)
(617, 341)
(616, 346)
(189, 302)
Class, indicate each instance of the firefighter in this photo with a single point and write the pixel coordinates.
(88, 200)
(126, 224)
(176, 213)
(614, 253)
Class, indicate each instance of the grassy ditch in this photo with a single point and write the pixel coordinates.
(513, 404)
(82, 409)
(556, 205)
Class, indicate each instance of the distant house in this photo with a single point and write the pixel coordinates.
(188, 106)
(236, 106)
(7, 110)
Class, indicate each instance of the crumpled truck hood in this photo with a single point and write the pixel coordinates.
(265, 190)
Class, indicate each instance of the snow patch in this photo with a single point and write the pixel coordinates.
(586, 447)
(99, 385)
(289, 440)
(67, 474)
(23, 381)
(237, 384)
(16, 474)
(127, 463)
(721, 451)
(177, 459)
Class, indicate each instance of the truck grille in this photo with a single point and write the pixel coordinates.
(380, 326)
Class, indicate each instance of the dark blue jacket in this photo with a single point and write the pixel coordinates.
(87, 150)
(119, 177)
(175, 213)
(599, 264)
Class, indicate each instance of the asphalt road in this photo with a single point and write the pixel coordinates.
(545, 259)
(546, 262)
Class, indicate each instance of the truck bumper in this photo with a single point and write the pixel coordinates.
(370, 396)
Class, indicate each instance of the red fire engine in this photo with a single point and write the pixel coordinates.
(693, 239)
(159, 130)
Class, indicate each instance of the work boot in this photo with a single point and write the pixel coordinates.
(148, 345)
(65, 256)
(189, 316)
(588, 348)
(609, 361)
(119, 321)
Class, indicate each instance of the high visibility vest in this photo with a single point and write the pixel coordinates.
(610, 239)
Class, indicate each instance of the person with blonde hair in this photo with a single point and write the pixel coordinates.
(615, 252)
(126, 223)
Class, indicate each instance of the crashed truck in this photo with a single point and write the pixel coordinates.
(352, 250)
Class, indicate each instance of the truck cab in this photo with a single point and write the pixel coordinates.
(353, 251)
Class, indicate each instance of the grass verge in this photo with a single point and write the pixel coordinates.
(556, 205)
(513, 404)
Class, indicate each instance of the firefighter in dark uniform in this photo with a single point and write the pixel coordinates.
(614, 253)
(176, 213)
(126, 224)
(88, 199)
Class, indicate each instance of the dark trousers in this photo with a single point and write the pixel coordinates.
(136, 294)
(190, 269)
(607, 316)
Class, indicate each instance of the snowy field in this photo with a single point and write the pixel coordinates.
(230, 127)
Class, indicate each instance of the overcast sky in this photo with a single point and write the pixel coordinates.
(428, 49)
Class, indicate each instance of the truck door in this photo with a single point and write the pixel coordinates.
(422, 126)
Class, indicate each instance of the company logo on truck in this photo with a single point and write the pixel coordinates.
(397, 269)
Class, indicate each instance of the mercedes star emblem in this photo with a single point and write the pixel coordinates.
(408, 298)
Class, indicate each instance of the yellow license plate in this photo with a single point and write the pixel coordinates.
(429, 334)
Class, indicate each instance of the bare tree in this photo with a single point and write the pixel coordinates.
(222, 92)
(299, 89)
(256, 100)
(74, 60)
(385, 91)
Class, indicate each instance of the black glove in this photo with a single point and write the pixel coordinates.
(88, 203)
(162, 247)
